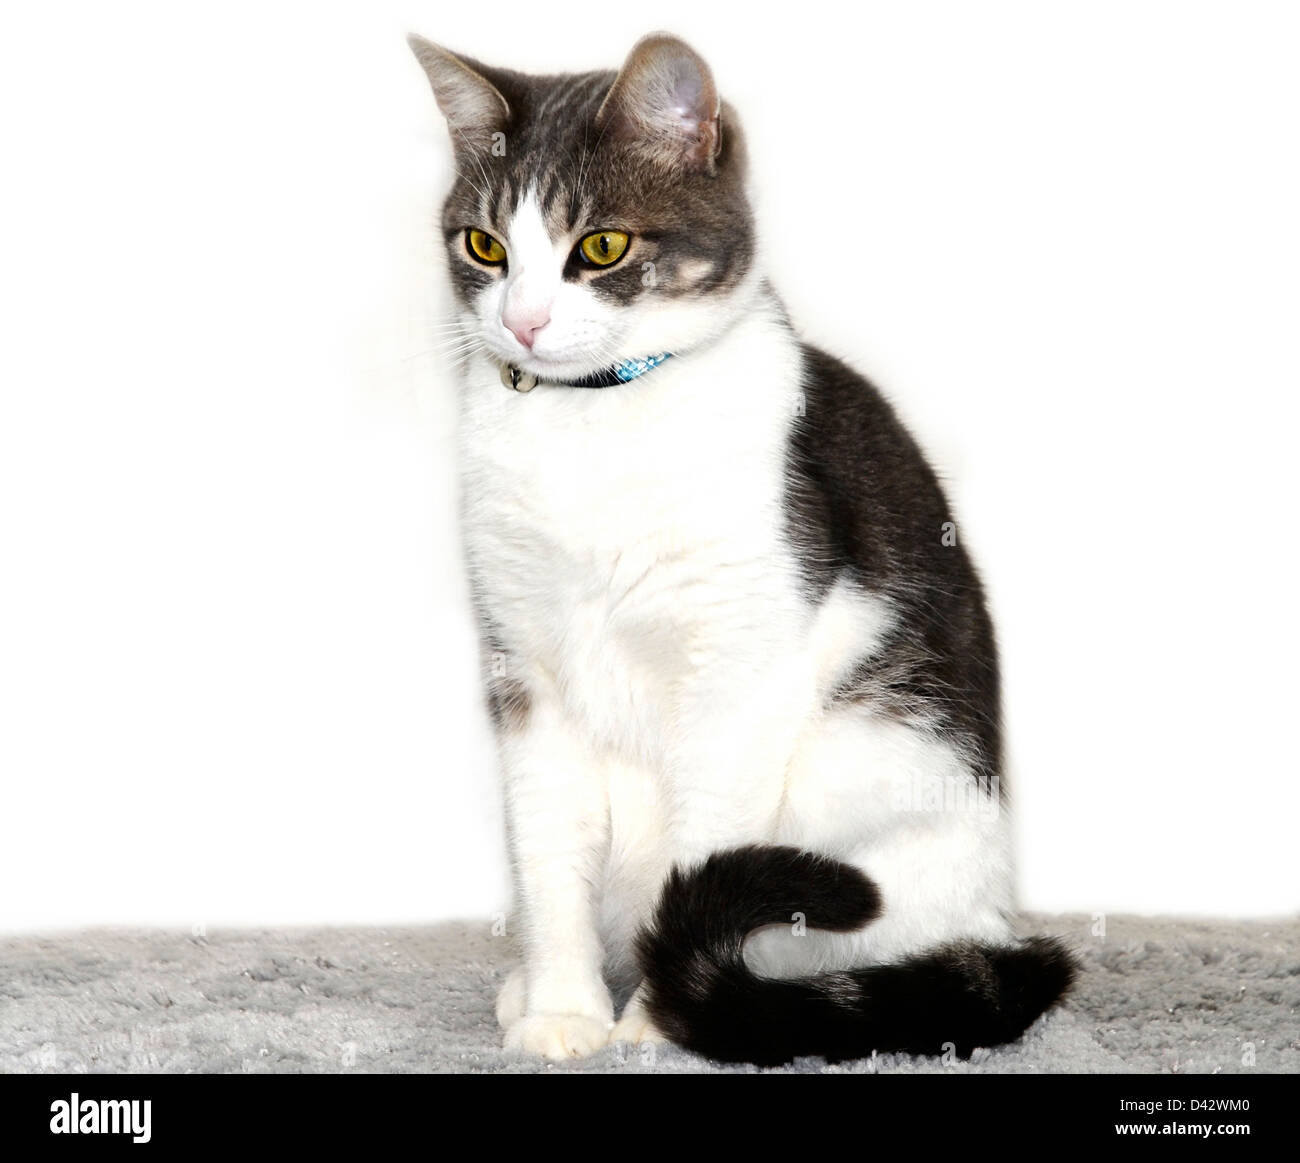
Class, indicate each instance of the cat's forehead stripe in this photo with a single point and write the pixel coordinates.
(502, 196)
(551, 200)
(572, 94)
(552, 139)
(553, 188)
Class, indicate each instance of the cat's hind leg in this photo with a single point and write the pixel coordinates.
(511, 998)
(902, 804)
(636, 1025)
(640, 859)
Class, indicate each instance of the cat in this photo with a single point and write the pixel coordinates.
(743, 679)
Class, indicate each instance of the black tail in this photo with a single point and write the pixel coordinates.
(703, 996)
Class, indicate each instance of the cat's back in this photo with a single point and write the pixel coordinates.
(861, 495)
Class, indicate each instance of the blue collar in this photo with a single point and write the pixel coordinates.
(623, 372)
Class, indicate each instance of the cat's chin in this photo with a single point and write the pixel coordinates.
(553, 370)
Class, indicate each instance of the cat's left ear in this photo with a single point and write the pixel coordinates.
(664, 102)
(473, 106)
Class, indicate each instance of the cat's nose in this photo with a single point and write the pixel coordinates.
(524, 326)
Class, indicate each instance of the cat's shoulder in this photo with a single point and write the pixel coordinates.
(848, 425)
(860, 493)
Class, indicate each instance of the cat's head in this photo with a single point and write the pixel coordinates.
(593, 217)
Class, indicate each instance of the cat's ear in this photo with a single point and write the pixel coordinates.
(473, 106)
(665, 102)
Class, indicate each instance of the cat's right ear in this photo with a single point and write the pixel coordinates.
(664, 102)
(473, 106)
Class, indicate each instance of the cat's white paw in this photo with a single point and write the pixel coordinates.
(637, 1028)
(510, 1001)
(635, 1025)
(557, 1036)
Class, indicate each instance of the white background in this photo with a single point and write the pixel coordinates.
(237, 672)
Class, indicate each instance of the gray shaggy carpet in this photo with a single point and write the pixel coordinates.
(1155, 996)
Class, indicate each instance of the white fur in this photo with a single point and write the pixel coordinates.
(628, 546)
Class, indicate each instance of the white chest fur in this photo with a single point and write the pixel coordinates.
(619, 538)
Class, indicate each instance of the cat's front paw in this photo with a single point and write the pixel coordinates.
(558, 1036)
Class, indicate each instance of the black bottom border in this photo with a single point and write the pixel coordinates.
(337, 1112)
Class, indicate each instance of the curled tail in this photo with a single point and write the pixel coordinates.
(702, 995)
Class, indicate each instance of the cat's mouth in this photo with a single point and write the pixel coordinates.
(623, 371)
(542, 366)
(544, 369)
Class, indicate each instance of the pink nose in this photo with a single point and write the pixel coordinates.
(524, 327)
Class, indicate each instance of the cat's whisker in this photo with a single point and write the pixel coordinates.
(576, 172)
(463, 356)
(473, 154)
(437, 350)
(463, 176)
(451, 351)
(484, 199)
(588, 157)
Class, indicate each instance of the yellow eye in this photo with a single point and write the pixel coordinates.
(605, 247)
(485, 248)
